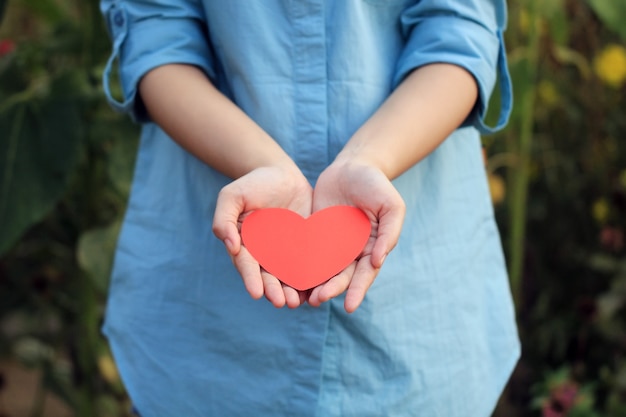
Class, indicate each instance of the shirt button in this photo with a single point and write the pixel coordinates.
(118, 18)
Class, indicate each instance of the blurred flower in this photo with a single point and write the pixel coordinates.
(548, 93)
(549, 411)
(610, 65)
(6, 47)
(562, 399)
(600, 210)
(566, 394)
(612, 239)
(108, 370)
(497, 188)
(524, 20)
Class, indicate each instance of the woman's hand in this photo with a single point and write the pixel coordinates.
(184, 103)
(359, 184)
(422, 111)
(273, 186)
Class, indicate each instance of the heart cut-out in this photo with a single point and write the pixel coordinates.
(304, 253)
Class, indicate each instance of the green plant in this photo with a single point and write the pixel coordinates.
(65, 166)
(563, 218)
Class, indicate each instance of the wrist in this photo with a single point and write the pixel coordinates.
(357, 153)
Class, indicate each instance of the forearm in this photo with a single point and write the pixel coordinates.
(424, 110)
(184, 103)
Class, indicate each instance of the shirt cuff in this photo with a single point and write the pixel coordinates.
(140, 45)
(469, 45)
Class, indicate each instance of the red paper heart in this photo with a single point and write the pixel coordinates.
(304, 253)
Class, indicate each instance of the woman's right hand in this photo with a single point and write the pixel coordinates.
(265, 187)
(185, 104)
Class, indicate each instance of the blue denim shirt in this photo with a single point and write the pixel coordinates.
(435, 335)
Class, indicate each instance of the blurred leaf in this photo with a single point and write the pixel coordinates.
(32, 352)
(108, 406)
(553, 11)
(569, 56)
(559, 28)
(604, 263)
(95, 253)
(616, 407)
(50, 10)
(38, 151)
(550, 8)
(609, 304)
(3, 7)
(612, 13)
(57, 378)
(620, 375)
(613, 300)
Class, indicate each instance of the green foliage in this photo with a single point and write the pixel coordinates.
(564, 217)
(39, 153)
(65, 167)
(3, 6)
(612, 13)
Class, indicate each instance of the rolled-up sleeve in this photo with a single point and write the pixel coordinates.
(467, 33)
(150, 33)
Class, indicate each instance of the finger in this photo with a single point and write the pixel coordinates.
(273, 290)
(313, 298)
(333, 287)
(250, 272)
(364, 276)
(227, 211)
(388, 234)
(293, 297)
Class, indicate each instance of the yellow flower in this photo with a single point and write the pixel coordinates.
(548, 93)
(497, 188)
(600, 210)
(524, 20)
(108, 370)
(610, 65)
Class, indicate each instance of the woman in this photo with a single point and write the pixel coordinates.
(308, 104)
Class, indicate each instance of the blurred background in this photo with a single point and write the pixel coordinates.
(557, 176)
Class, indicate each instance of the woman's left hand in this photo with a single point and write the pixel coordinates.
(363, 186)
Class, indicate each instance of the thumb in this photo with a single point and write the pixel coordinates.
(388, 234)
(225, 221)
